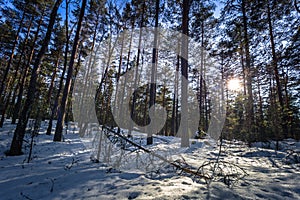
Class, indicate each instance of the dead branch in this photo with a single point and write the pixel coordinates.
(175, 164)
(230, 173)
(52, 184)
(25, 196)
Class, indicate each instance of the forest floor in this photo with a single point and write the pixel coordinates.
(64, 170)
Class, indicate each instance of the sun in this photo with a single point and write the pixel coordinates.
(234, 84)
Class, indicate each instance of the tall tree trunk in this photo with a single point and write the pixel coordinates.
(64, 101)
(184, 77)
(17, 107)
(201, 107)
(118, 77)
(16, 145)
(174, 124)
(86, 77)
(260, 111)
(11, 57)
(132, 111)
(6, 103)
(48, 99)
(146, 105)
(153, 71)
(49, 94)
(243, 70)
(61, 82)
(248, 73)
(164, 131)
(16, 76)
(276, 72)
(121, 114)
(207, 114)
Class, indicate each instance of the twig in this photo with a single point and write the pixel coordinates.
(52, 185)
(25, 196)
(217, 168)
(69, 166)
(176, 165)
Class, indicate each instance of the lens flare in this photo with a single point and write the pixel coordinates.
(234, 84)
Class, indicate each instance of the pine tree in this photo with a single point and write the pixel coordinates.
(64, 101)
(10, 14)
(54, 108)
(184, 73)
(16, 145)
(26, 67)
(154, 69)
(203, 24)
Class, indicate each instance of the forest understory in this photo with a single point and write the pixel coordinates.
(65, 170)
(143, 99)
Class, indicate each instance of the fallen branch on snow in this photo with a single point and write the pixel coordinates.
(175, 164)
(228, 173)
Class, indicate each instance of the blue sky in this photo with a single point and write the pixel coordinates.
(123, 2)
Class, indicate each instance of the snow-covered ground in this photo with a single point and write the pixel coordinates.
(64, 170)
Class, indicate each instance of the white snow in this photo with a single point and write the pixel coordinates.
(64, 170)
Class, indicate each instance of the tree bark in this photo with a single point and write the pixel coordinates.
(6, 103)
(16, 145)
(184, 75)
(174, 123)
(11, 57)
(276, 72)
(132, 111)
(17, 107)
(153, 71)
(18, 67)
(66, 52)
(248, 73)
(64, 101)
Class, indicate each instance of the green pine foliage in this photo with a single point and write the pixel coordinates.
(254, 41)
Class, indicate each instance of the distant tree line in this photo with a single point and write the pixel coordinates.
(44, 45)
